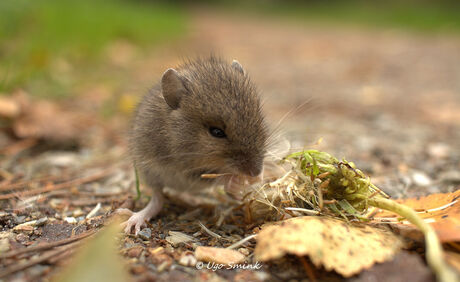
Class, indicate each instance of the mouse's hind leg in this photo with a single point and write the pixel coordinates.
(138, 219)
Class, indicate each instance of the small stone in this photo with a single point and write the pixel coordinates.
(41, 221)
(421, 179)
(20, 219)
(162, 261)
(21, 238)
(218, 255)
(244, 251)
(438, 150)
(70, 220)
(187, 260)
(135, 252)
(138, 269)
(78, 212)
(145, 234)
(24, 228)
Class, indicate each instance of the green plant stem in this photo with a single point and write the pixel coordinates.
(434, 252)
(138, 189)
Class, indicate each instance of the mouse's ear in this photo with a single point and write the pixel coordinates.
(237, 66)
(172, 88)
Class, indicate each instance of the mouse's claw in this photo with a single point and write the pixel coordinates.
(137, 220)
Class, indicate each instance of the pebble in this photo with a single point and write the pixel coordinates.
(135, 252)
(421, 179)
(244, 251)
(24, 228)
(187, 260)
(41, 221)
(438, 150)
(145, 234)
(70, 220)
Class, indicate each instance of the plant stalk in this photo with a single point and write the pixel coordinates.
(434, 252)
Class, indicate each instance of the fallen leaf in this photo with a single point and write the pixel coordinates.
(9, 107)
(453, 259)
(332, 243)
(218, 255)
(442, 211)
(98, 260)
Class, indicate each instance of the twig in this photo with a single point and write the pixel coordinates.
(242, 241)
(59, 186)
(205, 229)
(90, 202)
(17, 267)
(213, 175)
(45, 246)
(21, 184)
(308, 269)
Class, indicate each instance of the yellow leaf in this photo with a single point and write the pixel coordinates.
(334, 244)
(442, 211)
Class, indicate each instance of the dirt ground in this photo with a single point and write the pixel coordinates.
(387, 100)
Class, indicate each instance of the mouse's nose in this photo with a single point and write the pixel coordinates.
(252, 168)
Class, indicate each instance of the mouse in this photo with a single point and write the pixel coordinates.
(204, 117)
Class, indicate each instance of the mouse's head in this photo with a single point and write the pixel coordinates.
(215, 118)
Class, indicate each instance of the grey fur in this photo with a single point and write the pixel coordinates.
(172, 146)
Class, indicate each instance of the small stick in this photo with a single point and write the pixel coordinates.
(46, 246)
(241, 242)
(308, 269)
(213, 175)
(59, 186)
(434, 252)
(17, 267)
(21, 184)
(205, 229)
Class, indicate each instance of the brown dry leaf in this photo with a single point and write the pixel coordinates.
(453, 259)
(442, 211)
(334, 244)
(9, 107)
(47, 121)
(218, 255)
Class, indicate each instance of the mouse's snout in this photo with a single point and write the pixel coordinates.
(252, 168)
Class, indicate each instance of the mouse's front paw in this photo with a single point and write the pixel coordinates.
(137, 220)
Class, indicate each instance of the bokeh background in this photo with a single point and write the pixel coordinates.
(377, 82)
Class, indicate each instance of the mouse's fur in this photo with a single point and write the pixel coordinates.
(170, 140)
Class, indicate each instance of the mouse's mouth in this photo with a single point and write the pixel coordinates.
(234, 184)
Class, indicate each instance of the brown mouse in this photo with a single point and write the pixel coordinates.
(203, 117)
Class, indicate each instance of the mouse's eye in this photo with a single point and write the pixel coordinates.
(217, 132)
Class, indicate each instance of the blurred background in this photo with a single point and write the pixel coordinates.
(382, 79)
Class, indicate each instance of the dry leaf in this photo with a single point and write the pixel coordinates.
(453, 259)
(442, 211)
(97, 260)
(218, 255)
(9, 108)
(329, 242)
